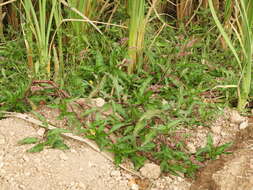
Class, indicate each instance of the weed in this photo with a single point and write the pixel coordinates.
(210, 151)
(52, 139)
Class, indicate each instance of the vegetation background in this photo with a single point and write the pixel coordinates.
(158, 64)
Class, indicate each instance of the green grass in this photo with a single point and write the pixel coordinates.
(173, 88)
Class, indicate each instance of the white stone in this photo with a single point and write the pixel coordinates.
(191, 147)
(41, 132)
(134, 187)
(216, 129)
(1, 164)
(236, 118)
(244, 125)
(115, 173)
(150, 170)
(99, 102)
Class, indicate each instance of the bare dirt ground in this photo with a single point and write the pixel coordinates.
(82, 168)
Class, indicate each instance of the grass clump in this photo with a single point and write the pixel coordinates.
(176, 78)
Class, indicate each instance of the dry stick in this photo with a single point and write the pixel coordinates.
(69, 135)
(8, 2)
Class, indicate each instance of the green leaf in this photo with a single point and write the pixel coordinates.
(117, 159)
(116, 127)
(99, 59)
(58, 144)
(210, 140)
(144, 86)
(147, 147)
(57, 131)
(41, 118)
(37, 148)
(167, 127)
(138, 161)
(164, 166)
(150, 113)
(139, 126)
(28, 140)
(117, 108)
(149, 137)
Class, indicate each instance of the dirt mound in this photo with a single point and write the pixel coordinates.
(230, 172)
(77, 168)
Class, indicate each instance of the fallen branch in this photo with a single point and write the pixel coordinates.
(90, 143)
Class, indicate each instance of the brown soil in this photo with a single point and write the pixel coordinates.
(235, 169)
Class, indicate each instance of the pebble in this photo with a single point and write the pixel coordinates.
(191, 147)
(41, 132)
(63, 157)
(244, 125)
(2, 140)
(236, 118)
(115, 173)
(99, 102)
(216, 129)
(25, 158)
(134, 187)
(150, 171)
(1, 164)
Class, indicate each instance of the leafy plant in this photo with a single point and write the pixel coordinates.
(210, 151)
(244, 35)
(52, 139)
(39, 26)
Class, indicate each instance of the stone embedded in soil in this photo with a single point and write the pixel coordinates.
(216, 129)
(63, 157)
(134, 187)
(190, 146)
(244, 125)
(99, 102)
(115, 173)
(41, 132)
(236, 118)
(150, 170)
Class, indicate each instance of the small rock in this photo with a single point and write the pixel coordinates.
(216, 129)
(63, 157)
(134, 187)
(150, 170)
(99, 102)
(25, 158)
(1, 164)
(41, 132)
(244, 125)
(27, 174)
(115, 173)
(127, 176)
(236, 118)
(191, 147)
(2, 140)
